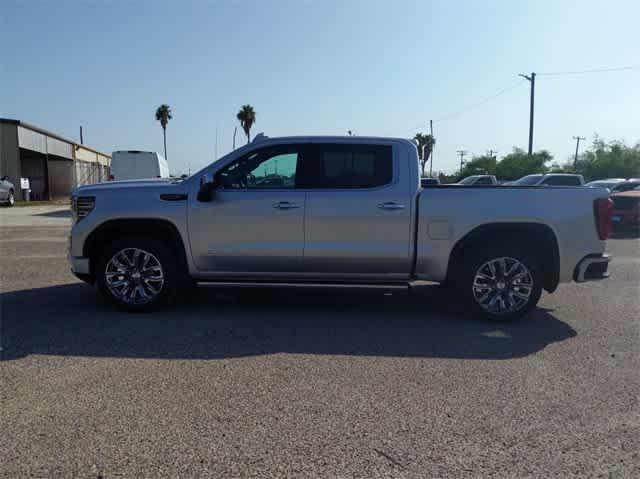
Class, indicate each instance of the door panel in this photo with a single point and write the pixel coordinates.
(255, 221)
(349, 233)
(249, 231)
(358, 216)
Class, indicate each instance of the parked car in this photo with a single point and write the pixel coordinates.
(626, 210)
(550, 179)
(424, 182)
(478, 180)
(627, 185)
(7, 192)
(138, 165)
(606, 183)
(355, 216)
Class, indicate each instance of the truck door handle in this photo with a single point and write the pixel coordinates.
(285, 205)
(390, 205)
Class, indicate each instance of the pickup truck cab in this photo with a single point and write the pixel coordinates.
(335, 211)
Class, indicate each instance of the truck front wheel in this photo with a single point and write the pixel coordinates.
(137, 274)
(501, 283)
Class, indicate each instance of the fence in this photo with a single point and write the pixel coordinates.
(88, 173)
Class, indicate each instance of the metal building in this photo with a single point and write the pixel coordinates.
(54, 165)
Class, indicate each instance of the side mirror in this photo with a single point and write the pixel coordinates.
(207, 187)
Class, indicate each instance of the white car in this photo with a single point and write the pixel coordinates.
(474, 180)
(605, 183)
(550, 179)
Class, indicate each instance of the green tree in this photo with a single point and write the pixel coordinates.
(247, 117)
(518, 164)
(479, 165)
(425, 147)
(163, 115)
(608, 160)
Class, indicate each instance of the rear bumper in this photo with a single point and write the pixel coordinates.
(592, 267)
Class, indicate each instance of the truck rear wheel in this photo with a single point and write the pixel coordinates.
(501, 283)
(137, 274)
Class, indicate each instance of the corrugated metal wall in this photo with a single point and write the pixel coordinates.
(67, 165)
(32, 140)
(9, 158)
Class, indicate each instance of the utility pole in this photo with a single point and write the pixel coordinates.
(461, 153)
(575, 158)
(532, 81)
(432, 148)
(490, 153)
(235, 130)
(216, 147)
(81, 138)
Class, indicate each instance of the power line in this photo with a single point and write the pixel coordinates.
(479, 103)
(593, 70)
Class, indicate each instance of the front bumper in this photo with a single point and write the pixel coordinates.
(592, 267)
(80, 267)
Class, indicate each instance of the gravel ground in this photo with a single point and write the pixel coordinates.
(291, 384)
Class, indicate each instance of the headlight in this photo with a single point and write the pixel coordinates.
(81, 206)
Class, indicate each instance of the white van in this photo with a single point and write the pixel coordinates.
(137, 165)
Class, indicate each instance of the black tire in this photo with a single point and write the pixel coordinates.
(480, 258)
(164, 256)
(11, 199)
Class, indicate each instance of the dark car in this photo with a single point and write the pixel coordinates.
(424, 182)
(7, 191)
(626, 210)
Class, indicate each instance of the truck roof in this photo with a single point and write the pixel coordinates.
(260, 138)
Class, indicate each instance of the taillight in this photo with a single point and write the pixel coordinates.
(603, 210)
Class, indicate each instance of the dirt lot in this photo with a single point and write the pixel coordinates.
(285, 384)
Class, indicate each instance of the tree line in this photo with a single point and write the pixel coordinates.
(601, 160)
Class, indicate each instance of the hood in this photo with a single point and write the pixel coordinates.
(126, 185)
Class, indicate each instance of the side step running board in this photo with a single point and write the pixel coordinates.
(245, 284)
(275, 284)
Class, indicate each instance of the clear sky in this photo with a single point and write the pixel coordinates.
(321, 67)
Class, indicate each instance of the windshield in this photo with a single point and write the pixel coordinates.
(626, 186)
(528, 180)
(467, 180)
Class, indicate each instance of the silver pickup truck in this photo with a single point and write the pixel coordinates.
(335, 211)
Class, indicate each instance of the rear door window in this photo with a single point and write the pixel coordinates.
(484, 181)
(348, 166)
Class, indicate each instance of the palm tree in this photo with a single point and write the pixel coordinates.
(425, 147)
(163, 115)
(247, 117)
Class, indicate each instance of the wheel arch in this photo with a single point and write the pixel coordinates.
(158, 229)
(538, 236)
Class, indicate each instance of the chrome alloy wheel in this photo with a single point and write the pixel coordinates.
(134, 276)
(502, 286)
